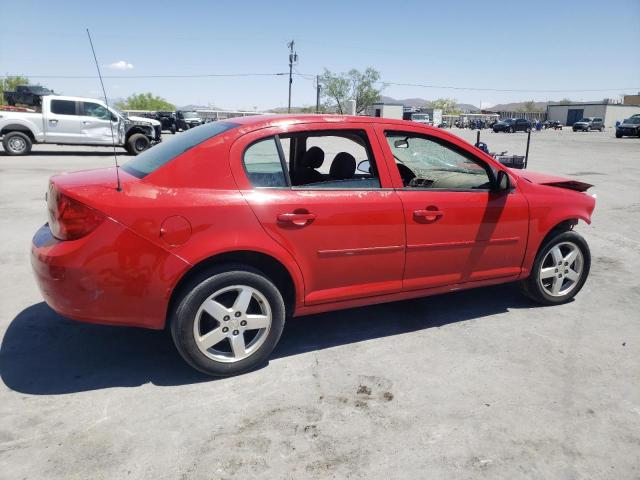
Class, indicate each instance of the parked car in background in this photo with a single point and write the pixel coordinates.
(629, 128)
(555, 124)
(167, 120)
(30, 95)
(512, 125)
(76, 121)
(417, 117)
(187, 119)
(588, 123)
(222, 252)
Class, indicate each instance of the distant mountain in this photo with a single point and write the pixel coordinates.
(422, 103)
(518, 106)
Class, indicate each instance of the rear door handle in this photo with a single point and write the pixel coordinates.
(428, 215)
(86, 123)
(299, 219)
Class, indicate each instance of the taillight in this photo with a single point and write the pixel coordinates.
(68, 218)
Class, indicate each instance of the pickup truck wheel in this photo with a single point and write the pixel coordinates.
(228, 321)
(560, 269)
(137, 143)
(16, 143)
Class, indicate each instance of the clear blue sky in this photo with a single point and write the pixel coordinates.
(529, 45)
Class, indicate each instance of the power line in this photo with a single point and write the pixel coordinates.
(312, 77)
(199, 75)
(522, 90)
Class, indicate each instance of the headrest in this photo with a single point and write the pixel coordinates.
(343, 166)
(312, 158)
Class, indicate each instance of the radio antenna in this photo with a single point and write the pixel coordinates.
(106, 101)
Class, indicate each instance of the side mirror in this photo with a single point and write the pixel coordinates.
(364, 166)
(503, 183)
(401, 143)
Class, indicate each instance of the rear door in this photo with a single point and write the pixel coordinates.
(64, 124)
(346, 229)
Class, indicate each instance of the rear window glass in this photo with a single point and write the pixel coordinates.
(63, 107)
(152, 159)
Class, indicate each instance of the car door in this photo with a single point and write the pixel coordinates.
(97, 123)
(458, 228)
(344, 229)
(64, 124)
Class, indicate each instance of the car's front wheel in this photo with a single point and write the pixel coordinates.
(560, 269)
(229, 321)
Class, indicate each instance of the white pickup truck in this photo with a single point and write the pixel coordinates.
(76, 121)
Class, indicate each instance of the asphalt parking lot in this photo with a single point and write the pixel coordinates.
(475, 384)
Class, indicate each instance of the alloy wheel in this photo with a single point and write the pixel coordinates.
(561, 269)
(17, 144)
(232, 324)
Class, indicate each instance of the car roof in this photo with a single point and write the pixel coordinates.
(273, 120)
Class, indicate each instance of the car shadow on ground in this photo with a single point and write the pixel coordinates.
(67, 153)
(43, 353)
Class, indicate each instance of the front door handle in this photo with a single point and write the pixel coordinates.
(86, 123)
(428, 215)
(53, 122)
(299, 219)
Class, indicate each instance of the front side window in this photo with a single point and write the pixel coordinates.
(63, 107)
(263, 166)
(95, 110)
(429, 163)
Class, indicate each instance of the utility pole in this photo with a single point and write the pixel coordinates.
(317, 93)
(293, 59)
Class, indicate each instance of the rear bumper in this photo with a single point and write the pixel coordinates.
(111, 276)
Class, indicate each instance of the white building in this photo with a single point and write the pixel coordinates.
(569, 113)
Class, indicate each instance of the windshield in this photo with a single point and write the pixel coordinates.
(508, 120)
(419, 117)
(586, 119)
(150, 160)
(633, 120)
(190, 115)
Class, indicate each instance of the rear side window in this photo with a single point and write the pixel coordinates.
(63, 107)
(154, 158)
(263, 166)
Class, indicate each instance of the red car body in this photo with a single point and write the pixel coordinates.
(330, 249)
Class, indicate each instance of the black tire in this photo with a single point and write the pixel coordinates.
(173, 130)
(532, 287)
(17, 143)
(137, 143)
(588, 129)
(200, 289)
(618, 135)
(512, 130)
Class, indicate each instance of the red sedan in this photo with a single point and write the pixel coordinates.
(225, 231)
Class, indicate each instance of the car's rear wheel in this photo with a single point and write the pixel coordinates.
(229, 321)
(16, 143)
(560, 269)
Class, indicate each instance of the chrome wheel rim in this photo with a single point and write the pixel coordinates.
(17, 144)
(561, 269)
(232, 324)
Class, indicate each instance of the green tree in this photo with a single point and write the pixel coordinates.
(337, 88)
(10, 83)
(447, 105)
(145, 101)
